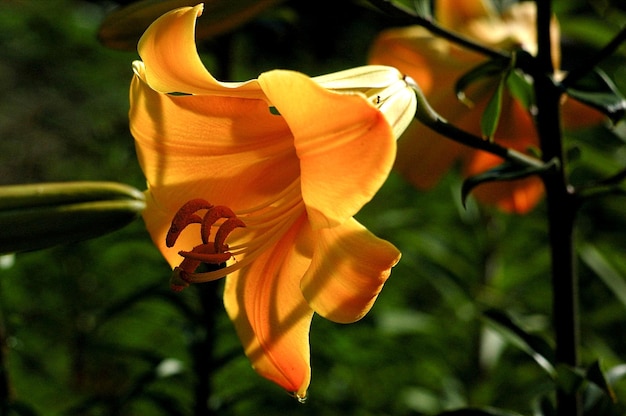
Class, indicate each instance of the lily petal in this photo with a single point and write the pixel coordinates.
(345, 145)
(349, 268)
(182, 141)
(270, 315)
(169, 52)
(456, 13)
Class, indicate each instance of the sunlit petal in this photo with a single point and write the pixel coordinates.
(349, 267)
(360, 78)
(172, 63)
(182, 141)
(345, 146)
(454, 14)
(247, 177)
(270, 314)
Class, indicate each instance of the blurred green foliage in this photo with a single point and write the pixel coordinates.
(92, 328)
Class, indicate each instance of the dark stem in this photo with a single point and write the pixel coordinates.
(430, 118)
(202, 350)
(561, 208)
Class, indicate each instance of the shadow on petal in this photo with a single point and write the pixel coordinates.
(349, 267)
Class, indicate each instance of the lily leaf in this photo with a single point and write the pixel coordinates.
(482, 411)
(533, 345)
(124, 26)
(491, 68)
(569, 379)
(597, 377)
(597, 90)
(602, 267)
(37, 216)
(545, 407)
(491, 117)
(521, 88)
(405, 8)
(423, 8)
(507, 171)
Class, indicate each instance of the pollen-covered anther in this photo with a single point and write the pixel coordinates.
(214, 214)
(224, 230)
(209, 252)
(209, 258)
(186, 215)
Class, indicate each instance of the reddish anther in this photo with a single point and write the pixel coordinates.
(186, 215)
(209, 252)
(210, 258)
(211, 217)
(226, 228)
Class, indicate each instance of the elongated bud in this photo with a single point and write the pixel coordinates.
(37, 216)
(383, 86)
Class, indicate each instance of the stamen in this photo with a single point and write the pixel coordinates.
(251, 250)
(214, 253)
(186, 215)
(211, 217)
(210, 258)
(226, 228)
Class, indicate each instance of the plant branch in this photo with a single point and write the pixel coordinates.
(429, 117)
(561, 210)
(588, 64)
(400, 11)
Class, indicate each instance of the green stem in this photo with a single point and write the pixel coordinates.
(561, 207)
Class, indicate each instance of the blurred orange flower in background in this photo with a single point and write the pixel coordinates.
(260, 180)
(436, 64)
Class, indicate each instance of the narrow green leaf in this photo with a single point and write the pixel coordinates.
(597, 262)
(545, 407)
(597, 90)
(521, 88)
(533, 345)
(491, 117)
(597, 377)
(481, 411)
(491, 68)
(423, 8)
(616, 373)
(507, 171)
(124, 26)
(568, 379)
(404, 8)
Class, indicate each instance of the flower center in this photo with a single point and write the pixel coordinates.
(209, 252)
(264, 225)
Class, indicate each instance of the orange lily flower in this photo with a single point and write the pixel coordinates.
(436, 64)
(260, 180)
